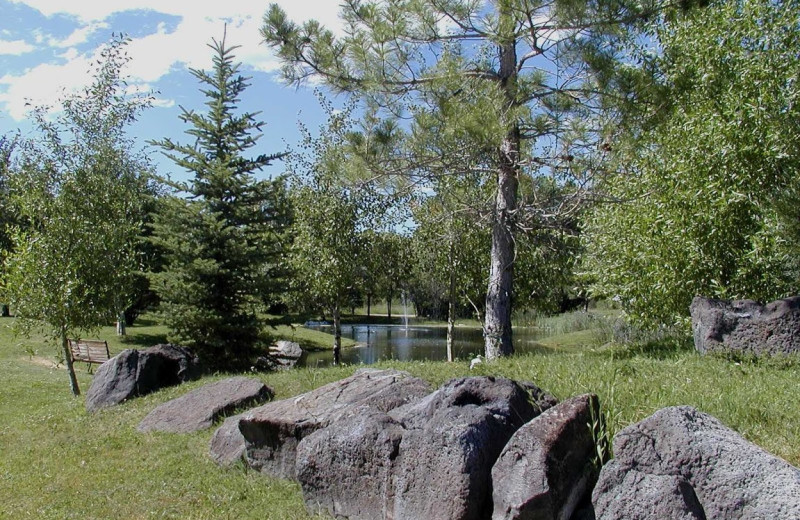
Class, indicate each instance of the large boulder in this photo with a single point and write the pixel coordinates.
(347, 469)
(452, 439)
(746, 326)
(198, 409)
(272, 432)
(134, 373)
(430, 459)
(227, 443)
(682, 463)
(644, 496)
(547, 468)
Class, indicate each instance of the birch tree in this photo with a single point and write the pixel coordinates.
(329, 218)
(78, 189)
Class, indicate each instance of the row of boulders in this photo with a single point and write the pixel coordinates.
(380, 444)
(746, 326)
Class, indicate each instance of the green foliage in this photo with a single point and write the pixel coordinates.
(703, 206)
(220, 233)
(8, 144)
(330, 215)
(391, 259)
(79, 191)
(498, 89)
(448, 243)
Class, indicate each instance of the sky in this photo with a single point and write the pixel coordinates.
(47, 46)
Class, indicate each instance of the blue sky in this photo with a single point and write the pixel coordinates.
(46, 47)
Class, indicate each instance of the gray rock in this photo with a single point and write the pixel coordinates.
(273, 431)
(346, 468)
(288, 349)
(282, 355)
(731, 477)
(134, 373)
(547, 467)
(227, 443)
(198, 409)
(114, 381)
(430, 459)
(453, 438)
(746, 326)
(636, 495)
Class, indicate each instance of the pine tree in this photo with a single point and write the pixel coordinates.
(501, 75)
(220, 239)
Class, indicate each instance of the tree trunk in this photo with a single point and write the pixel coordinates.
(497, 325)
(4, 311)
(369, 305)
(73, 380)
(451, 300)
(121, 324)
(389, 306)
(337, 335)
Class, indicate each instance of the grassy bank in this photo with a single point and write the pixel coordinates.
(58, 462)
(147, 332)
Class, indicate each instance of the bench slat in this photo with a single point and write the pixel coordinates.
(89, 351)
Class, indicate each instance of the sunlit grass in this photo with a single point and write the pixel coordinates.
(59, 462)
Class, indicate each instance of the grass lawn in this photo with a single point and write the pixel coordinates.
(59, 462)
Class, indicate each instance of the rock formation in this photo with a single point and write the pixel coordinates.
(682, 463)
(134, 373)
(199, 408)
(548, 466)
(746, 326)
(271, 432)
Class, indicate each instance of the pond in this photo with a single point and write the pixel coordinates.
(412, 343)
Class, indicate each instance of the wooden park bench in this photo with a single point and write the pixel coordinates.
(89, 351)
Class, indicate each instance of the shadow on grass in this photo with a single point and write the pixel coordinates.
(535, 348)
(143, 339)
(660, 349)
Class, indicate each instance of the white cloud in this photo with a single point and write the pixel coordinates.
(325, 11)
(78, 36)
(163, 102)
(155, 55)
(15, 48)
(42, 84)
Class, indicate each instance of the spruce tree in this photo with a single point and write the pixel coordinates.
(219, 231)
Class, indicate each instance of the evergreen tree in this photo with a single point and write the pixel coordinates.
(219, 241)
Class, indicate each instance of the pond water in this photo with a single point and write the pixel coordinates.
(412, 343)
